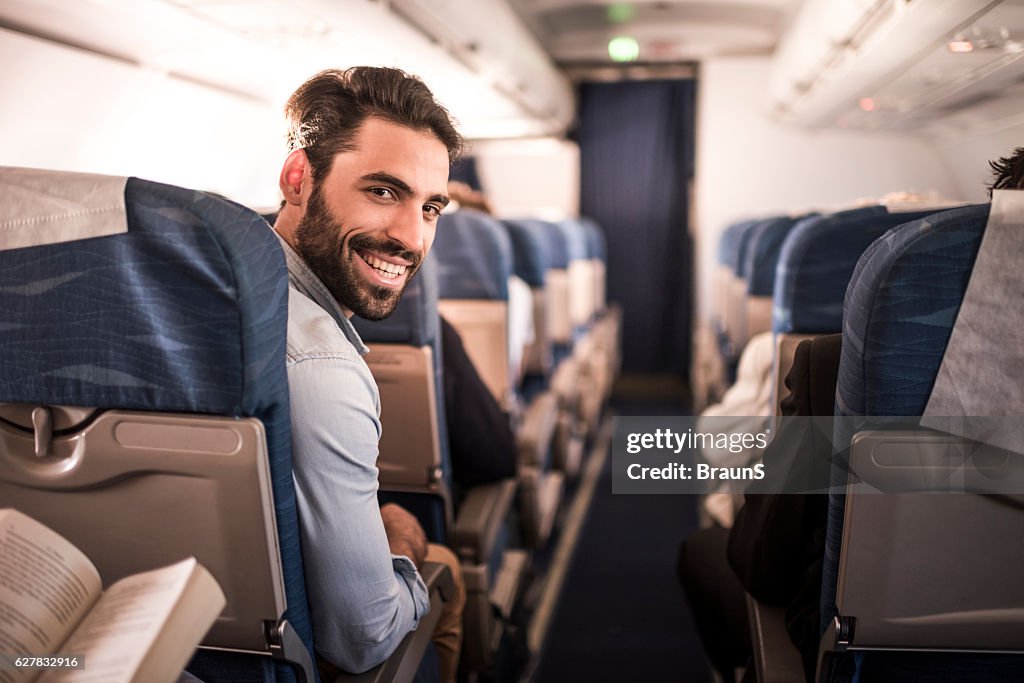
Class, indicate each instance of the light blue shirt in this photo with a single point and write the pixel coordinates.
(363, 600)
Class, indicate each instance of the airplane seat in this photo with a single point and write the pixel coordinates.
(581, 278)
(142, 371)
(607, 319)
(475, 263)
(569, 380)
(816, 262)
(535, 248)
(416, 470)
(590, 358)
(530, 263)
(414, 460)
(762, 259)
(736, 293)
(597, 250)
(474, 256)
(727, 257)
(711, 343)
(917, 586)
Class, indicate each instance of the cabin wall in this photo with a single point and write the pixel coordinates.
(73, 110)
(749, 166)
(967, 155)
(537, 177)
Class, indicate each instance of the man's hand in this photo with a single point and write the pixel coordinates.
(405, 535)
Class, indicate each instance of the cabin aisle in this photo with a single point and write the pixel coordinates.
(622, 615)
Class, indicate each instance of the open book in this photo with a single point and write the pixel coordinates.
(143, 628)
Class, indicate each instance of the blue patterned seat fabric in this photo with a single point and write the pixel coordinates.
(816, 262)
(186, 312)
(474, 256)
(762, 256)
(597, 246)
(575, 239)
(415, 322)
(900, 309)
(530, 246)
(738, 258)
(729, 244)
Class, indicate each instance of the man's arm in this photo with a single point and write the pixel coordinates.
(363, 599)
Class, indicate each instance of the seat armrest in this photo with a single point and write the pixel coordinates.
(776, 658)
(481, 516)
(533, 437)
(404, 662)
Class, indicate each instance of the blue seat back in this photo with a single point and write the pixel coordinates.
(474, 256)
(816, 262)
(530, 243)
(576, 240)
(186, 312)
(729, 244)
(415, 322)
(900, 310)
(737, 257)
(597, 245)
(762, 255)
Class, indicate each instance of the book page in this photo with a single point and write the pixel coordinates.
(123, 625)
(46, 586)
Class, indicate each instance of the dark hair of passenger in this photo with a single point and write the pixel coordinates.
(1008, 172)
(326, 111)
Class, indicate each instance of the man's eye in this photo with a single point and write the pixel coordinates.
(432, 210)
(382, 192)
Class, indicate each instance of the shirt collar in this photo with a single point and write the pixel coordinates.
(303, 279)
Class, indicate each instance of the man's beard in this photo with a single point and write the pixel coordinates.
(320, 241)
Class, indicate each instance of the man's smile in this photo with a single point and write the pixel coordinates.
(388, 271)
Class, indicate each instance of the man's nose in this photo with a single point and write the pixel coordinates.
(408, 228)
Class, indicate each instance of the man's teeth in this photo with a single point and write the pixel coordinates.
(388, 269)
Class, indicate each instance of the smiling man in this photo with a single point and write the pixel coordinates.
(363, 185)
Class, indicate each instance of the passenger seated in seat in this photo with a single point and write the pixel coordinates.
(483, 447)
(777, 543)
(744, 409)
(364, 182)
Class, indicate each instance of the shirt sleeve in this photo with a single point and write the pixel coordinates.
(363, 599)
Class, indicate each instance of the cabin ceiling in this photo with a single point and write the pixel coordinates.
(503, 67)
(577, 32)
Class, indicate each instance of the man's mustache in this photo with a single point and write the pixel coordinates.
(386, 247)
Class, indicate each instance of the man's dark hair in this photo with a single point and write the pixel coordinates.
(1008, 172)
(326, 111)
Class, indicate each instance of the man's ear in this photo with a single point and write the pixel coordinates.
(293, 176)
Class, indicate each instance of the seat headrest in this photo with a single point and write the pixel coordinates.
(185, 311)
(597, 246)
(738, 260)
(415, 319)
(729, 244)
(529, 247)
(763, 254)
(816, 262)
(557, 245)
(474, 256)
(575, 239)
(900, 308)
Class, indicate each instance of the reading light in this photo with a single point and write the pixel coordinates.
(960, 45)
(867, 104)
(623, 49)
